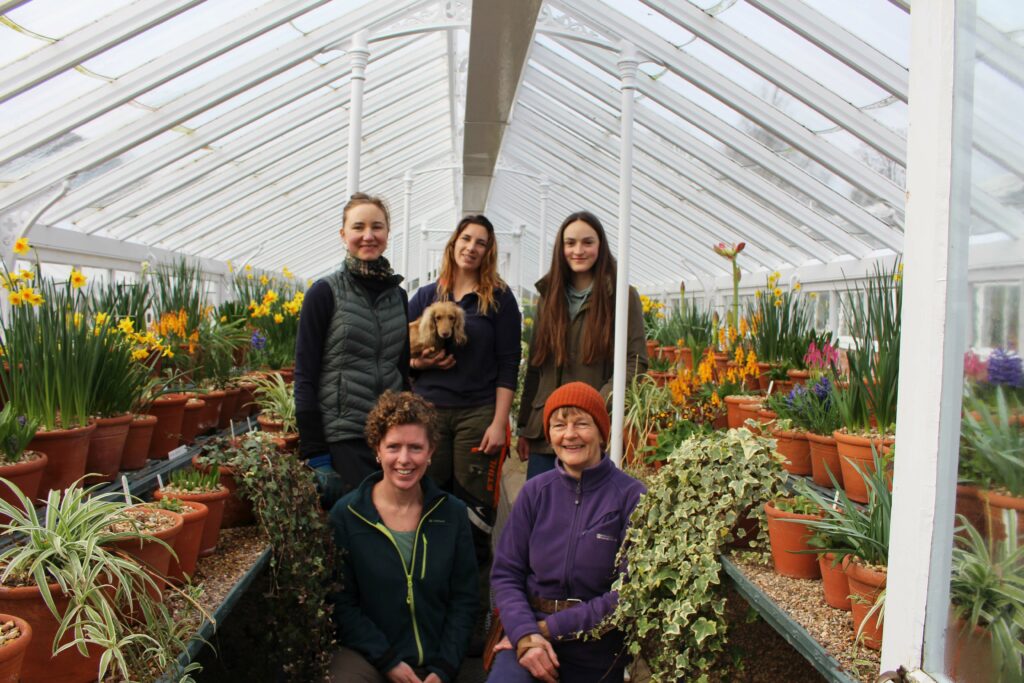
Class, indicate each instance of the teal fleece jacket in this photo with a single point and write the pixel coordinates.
(421, 614)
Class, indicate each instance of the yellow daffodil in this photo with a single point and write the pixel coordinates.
(248, 268)
(778, 303)
(231, 266)
(797, 286)
(264, 280)
(102, 318)
(15, 299)
(309, 283)
(813, 295)
(77, 279)
(33, 298)
(270, 297)
(777, 292)
(126, 325)
(21, 246)
(26, 274)
(76, 319)
(223, 318)
(140, 354)
(248, 276)
(278, 318)
(287, 273)
(758, 294)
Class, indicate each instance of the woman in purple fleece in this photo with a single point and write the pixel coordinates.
(555, 563)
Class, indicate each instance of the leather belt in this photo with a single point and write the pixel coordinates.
(549, 606)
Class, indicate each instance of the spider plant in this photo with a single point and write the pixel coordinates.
(987, 590)
(992, 444)
(276, 398)
(15, 433)
(646, 403)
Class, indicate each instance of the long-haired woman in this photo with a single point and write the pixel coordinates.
(573, 340)
(353, 345)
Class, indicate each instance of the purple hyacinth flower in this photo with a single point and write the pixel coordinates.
(258, 341)
(822, 388)
(1005, 368)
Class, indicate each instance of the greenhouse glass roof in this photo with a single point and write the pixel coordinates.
(221, 128)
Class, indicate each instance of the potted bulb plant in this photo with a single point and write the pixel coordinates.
(202, 487)
(21, 467)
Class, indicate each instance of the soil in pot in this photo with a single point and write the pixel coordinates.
(834, 582)
(154, 523)
(788, 539)
(66, 451)
(824, 459)
(190, 420)
(866, 584)
(136, 445)
(213, 501)
(15, 636)
(40, 665)
(237, 511)
(855, 450)
(169, 411)
(228, 406)
(106, 448)
(26, 475)
(794, 447)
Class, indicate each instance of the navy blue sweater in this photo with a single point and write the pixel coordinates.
(490, 359)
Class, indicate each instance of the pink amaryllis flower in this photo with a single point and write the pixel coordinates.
(729, 251)
(974, 367)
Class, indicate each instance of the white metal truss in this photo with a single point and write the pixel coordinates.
(616, 25)
(53, 124)
(784, 75)
(87, 42)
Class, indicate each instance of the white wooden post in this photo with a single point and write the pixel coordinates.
(542, 228)
(934, 299)
(406, 226)
(359, 53)
(629, 61)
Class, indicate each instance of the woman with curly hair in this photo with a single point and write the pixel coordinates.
(408, 599)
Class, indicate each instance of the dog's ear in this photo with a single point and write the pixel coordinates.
(428, 327)
(460, 327)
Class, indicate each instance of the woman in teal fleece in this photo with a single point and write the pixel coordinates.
(407, 569)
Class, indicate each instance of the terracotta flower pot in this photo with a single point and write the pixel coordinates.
(210, 416)
(237, 511)
(762, 375)
(661, 378)
(106, 448)
(865, 586)
(136, 445)
(720, 422)
(214, 503)
(169, 411)
(732, 409)
(686, 357)
(969, 653)
(228, 406)
(190, 420)
(798, 376)
(824, 459)
(66, 450)
(154, 556)
(970, 505)
(995, 505)
(834, 582)
(245, 406)
(288, 442)
(857, 450)
(721, 363)
(765, 416)
(669, 353)
(749, 411)
(26, 476)
(782, 386)
(287, 374)
(795, 448)
(652, 346)
(788, 539)
(13, 653)
(40, 665)
(269, 425)
(186, 544)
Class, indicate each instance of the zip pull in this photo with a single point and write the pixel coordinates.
(579, 487)
(408, 595)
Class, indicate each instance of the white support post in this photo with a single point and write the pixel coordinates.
(360, 55)
(629, 61)
(542, 228)
(934, 301)
(424, 256)
(406, 226)
(517, 238)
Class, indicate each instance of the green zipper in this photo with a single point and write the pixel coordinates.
(423, 568)
(408, 569)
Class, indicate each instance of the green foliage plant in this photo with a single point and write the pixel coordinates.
(195, 481)
(286, 504)
(108, 593)
(797, 504)
(122, 300)
(215, 361)
(987, 591)
(874, 310)
(671, 436)
(15, 433)
(992, 444)
(780, 319)
(276, 398)
(646, 406)
(698, 329)
(122, 378)
(671, 604)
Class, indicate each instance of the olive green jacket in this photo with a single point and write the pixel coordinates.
(542, 381)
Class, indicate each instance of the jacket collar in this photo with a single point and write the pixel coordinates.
(394, 280)
(543, 285)
(592, 477)
(363, 503)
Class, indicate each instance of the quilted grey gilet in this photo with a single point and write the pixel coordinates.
(361, 352)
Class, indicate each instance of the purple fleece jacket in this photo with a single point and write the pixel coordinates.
(560, 542)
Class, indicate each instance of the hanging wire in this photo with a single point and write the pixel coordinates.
(10, 23)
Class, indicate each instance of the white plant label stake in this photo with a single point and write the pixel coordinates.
(127, 493)
(232, 423)
(159, 481)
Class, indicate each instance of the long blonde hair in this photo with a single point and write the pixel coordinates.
(489, 278)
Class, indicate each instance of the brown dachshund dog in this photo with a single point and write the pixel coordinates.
(440, 322)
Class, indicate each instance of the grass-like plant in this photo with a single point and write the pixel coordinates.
(781, 319)
(196, 481)
(15, 433)
(276, 398)
(992, 443)
(70, 546)
(987, 590)
(646, 403)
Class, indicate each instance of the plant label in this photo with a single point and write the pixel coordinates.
(127, 493)
(177, 452)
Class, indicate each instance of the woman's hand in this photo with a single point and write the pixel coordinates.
(494, 438)
(403, 673)
(430, 359)
(523, 448)
(503, 644)
(432, 678)
(538, 658)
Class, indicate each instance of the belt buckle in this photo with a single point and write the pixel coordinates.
(568, 601)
